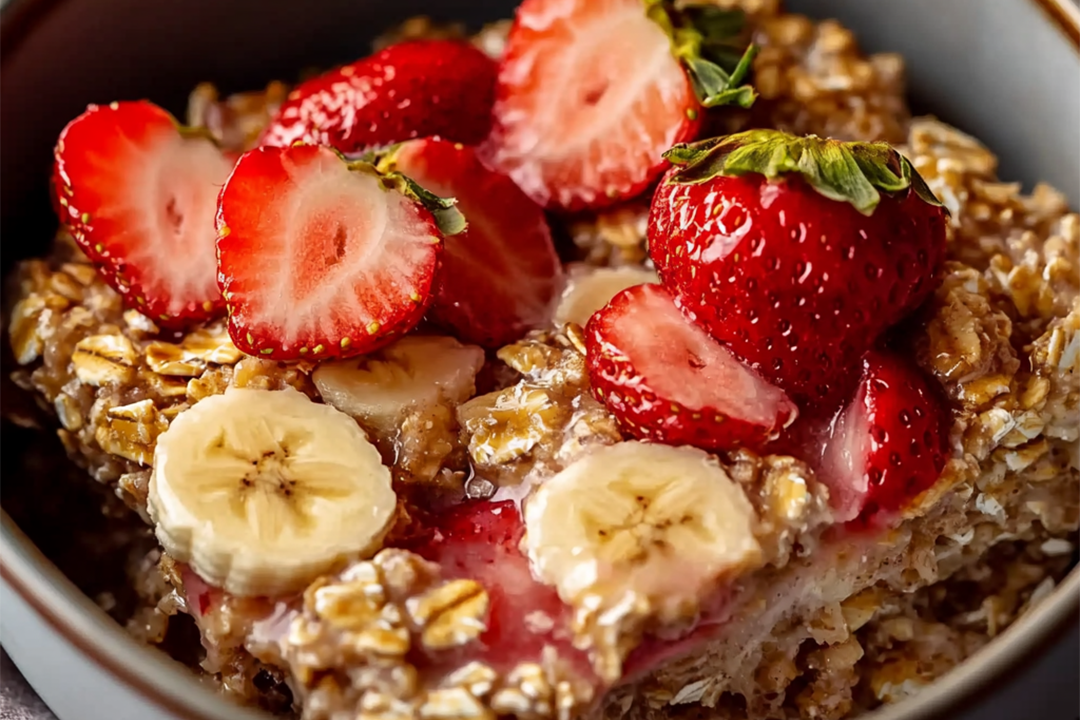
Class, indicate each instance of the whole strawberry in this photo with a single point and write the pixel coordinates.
(419, 88)
(888, 445)
(590, 94)
(796, 252)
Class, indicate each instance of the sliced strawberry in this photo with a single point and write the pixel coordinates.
(888, 445)
(501, 276)
(413, 89)
(665, 379)
(589, 97)
(319, 257)
(479, 540)
(138, 193)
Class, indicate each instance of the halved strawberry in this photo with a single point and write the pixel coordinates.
(888, 445)
(409, 90)
(319, 257)
(501, 276)
(138, 193)
(665, 379)
(591, 93)
(479, 540)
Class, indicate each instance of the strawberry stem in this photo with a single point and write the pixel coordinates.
(851, 172)
(383, 162)
(704, 39)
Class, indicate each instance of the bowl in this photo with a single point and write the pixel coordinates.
(1004, 71)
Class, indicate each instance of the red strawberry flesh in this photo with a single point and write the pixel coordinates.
(413, 89)
(501, 276)
(139, 196)
(888, 445)
(588, 98)
(319, 260)
(665, 379)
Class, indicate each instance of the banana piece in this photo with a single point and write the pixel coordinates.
(261, 491)
(664, 523)
(588, 289)
(417, 371)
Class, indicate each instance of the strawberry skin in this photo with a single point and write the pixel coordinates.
(888, 445)
(666, 380)
(320, 258)
(137, 192)
(414, 89)
(796, 283)
(501, 276)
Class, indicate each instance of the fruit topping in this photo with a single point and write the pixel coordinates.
(590, 288)
(590, 93)
(418, 88)
(501, 276)
(322, 258)
(665, 379)
(413, 373)
(138, 193)
(261, 491)
(888, 445)
(796, 252)
(635, 535)
(480, 541)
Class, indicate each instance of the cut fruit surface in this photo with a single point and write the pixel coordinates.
(319, 257)
(261, 491)
(414, 372)
(139, 194)
(501, 276)
(480, 541)
(665, 379)
(590, 288)
(413, 89)
(888, 445)
(589, 96)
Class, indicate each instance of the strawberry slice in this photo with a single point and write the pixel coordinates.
(590, 94)
(501, 276)
(319, 257)
(665, 379)
(138, 193)
(888, 445)
(479, 540)
(413, 89)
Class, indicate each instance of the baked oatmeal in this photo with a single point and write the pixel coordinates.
(678, 371)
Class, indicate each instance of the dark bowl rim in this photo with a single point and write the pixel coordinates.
(59, 603)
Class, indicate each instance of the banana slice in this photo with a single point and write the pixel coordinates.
(589, 289)
(261, 491)
(664, 523)
(417, 371)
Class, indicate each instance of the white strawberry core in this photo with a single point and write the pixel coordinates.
(682, 363)
(345, 252)
(166, 213)
(843, 461)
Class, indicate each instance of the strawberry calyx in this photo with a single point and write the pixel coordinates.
(704, 39)
(448, 218)
(852, 172)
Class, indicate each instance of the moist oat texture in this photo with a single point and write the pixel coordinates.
(819, 631)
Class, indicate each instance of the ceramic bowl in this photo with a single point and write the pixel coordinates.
(1006, 71)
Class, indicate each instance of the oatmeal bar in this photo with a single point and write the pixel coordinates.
(417, 471)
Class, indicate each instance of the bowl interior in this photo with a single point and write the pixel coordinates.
(59, 55)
